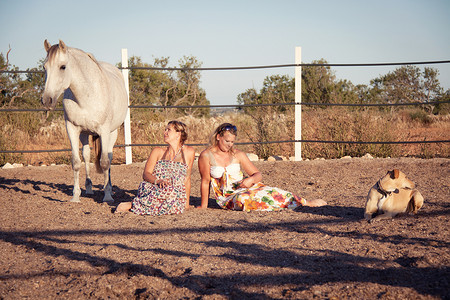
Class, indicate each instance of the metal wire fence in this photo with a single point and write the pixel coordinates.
(238, 106)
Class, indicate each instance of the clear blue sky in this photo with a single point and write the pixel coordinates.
(235, 33)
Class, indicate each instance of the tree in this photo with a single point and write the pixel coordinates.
(443, 108)
(187, 91)
(276, 89)
(17, 90)
(317, 83)
(407, 84)
(147, 86)
(4, 80)
(167, 87)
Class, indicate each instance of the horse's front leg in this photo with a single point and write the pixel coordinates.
(74, 134)
(84, 138)
(108, 140)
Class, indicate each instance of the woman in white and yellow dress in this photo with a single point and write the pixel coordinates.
(220, 166)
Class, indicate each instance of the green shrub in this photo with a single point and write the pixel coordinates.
(7, 145)
(420, 116)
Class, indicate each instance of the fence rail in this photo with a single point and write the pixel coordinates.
(247, 143)
(295, 141)
(261, 67)
(244, 105)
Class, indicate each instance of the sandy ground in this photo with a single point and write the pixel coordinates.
(51, 248)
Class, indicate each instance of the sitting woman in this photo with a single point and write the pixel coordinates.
(220, 165)
(167, 177)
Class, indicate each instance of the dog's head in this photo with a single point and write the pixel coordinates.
(394, 180)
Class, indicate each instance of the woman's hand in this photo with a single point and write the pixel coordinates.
(249, 181)
(162, 183)
(245, 183)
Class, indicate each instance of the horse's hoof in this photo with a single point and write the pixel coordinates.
(89, 192)
(109, 200)
(75, 200)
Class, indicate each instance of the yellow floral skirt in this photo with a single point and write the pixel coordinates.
(258, 197)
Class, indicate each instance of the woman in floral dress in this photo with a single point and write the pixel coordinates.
(220, 165)
(167, 182)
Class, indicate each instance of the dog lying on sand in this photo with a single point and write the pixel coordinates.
(391, 195)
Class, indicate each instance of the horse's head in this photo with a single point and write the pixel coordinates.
(57, 73)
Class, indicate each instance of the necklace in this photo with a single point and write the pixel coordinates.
(178, 152)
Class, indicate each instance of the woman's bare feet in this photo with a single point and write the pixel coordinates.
(123, 207)
(315, 203)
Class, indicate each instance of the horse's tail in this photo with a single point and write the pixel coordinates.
(97, 152)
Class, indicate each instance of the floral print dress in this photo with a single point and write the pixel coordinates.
(224, 181)
(154, 200)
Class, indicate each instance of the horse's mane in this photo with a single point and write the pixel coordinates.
(55, 48)
(52, 52)
(90, 55)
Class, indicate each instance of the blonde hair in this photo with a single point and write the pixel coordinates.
(180, 127)
(221, 131)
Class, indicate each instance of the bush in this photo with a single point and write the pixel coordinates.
(346, 125)
(339, 124)
(420, 116)
(8, 157)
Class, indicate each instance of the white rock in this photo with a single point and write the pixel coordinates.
(17, 165)
(368, 156)
(7, 166)
(346, 157)
(274, 158)
(252, 156)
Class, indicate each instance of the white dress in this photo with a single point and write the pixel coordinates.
(224, 182)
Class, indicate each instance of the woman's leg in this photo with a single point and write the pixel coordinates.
(315, 202)
(123, 207)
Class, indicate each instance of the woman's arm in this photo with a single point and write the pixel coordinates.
(249, 168)
(150, 165)
(190, 157)
(204, 167)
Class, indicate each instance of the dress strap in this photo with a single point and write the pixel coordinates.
(235, 160)
(164, 155)
(178, 152)
(211, 158)
(182, 155)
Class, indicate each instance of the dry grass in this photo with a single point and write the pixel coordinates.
(329, 124)
(345, 125)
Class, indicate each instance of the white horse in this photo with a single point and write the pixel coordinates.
(95, 103)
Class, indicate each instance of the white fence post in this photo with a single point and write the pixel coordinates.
(127, 122)
(298, 108)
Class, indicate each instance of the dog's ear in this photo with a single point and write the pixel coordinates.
(396, 173)
(391, 174)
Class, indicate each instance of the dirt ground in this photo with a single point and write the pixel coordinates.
(54, 249)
